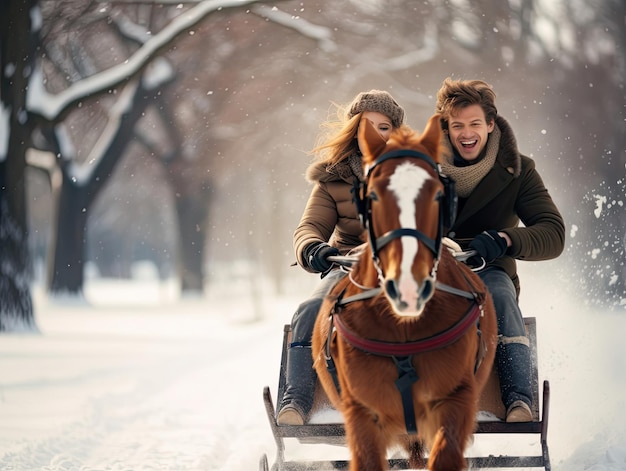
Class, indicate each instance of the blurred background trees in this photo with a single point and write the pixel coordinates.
(207, 168)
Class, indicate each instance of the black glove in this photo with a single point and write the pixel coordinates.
(489, 245)
(316, 256)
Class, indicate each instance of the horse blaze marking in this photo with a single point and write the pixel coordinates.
(406, 183)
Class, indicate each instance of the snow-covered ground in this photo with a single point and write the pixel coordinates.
(138, 380)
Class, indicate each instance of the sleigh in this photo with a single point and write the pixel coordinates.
(404, 345)
(490, 422)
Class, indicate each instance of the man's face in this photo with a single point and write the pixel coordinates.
(469, 131)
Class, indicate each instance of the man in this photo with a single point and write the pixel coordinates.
(498, 188)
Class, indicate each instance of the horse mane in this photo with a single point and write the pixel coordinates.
(404, 136)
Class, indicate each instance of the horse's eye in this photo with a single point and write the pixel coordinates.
(373, 196)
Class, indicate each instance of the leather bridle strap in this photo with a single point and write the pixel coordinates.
(404, 231)
(378, 243)
(394, 154)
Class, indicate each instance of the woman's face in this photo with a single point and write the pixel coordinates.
(381, 122)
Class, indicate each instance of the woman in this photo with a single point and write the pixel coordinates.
(329, 226)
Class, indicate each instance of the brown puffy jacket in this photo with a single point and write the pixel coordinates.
(330, 214)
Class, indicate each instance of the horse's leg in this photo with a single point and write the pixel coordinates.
(455, 420)
(415, 448)
(365, 438)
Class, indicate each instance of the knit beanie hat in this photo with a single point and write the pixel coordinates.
(379, 101)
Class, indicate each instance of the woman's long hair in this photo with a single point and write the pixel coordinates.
(337, 141)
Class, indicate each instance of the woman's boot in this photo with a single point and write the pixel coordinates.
(299, 387)
(300, 377)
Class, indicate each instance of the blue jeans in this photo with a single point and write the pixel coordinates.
(303, 320)
(513, 361)
(510, 320)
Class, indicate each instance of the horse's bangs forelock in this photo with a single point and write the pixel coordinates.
(401, 137)
(406, 138)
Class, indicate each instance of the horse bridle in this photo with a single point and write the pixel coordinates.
(447, 208)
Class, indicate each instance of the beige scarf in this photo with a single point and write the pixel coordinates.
(467, 178)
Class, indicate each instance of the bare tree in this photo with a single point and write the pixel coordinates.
(236, 100)
(16, 309)
(39, 110)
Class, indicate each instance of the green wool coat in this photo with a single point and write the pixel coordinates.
(512, 198)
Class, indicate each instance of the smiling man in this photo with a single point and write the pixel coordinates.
(498, 188)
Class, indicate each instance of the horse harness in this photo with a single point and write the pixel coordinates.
(402, 353)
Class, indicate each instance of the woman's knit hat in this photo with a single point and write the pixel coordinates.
(379, 101)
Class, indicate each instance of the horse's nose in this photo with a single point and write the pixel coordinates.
(391, 288)
(409, 300)
(427, 289)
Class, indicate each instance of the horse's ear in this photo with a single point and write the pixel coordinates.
(431, 137)
(371, 143)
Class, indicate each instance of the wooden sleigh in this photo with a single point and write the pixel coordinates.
(428, 313)
(490, 406)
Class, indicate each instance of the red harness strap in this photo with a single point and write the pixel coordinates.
(440, 340)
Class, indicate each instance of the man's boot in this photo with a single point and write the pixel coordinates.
(513, 366)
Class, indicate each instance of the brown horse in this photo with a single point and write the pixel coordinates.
(404, 345)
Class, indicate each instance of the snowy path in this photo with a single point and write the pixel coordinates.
(143, 382)
(136, 389)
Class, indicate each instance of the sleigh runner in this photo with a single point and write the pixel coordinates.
(491, 421)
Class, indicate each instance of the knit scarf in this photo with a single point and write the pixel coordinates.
(467, 178)
(356, 164)
(348, 168)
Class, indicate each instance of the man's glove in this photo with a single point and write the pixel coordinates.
(316, 256)
(489, 245)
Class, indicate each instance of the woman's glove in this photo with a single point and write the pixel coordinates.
(316, 256)
(489, 245)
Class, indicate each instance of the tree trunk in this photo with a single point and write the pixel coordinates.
(192, 210)
(68, 261)
(16, 56)
(76, 199)
(16, 307)
(192, 215)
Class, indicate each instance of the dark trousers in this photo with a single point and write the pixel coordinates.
(300, 375)
(513, 352)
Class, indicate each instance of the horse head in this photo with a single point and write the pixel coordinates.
(402, 204)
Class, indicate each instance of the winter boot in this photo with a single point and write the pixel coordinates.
(300, 382)
(513, 366)
(519, 412)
